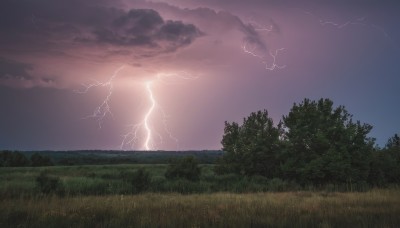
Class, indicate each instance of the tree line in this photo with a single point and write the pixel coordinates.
(18, 159)
(315, 144)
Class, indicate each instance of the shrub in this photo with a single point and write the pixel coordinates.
(186, 168)
(48, 184)
(140, 180)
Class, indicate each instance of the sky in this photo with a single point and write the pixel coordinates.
(166, 75)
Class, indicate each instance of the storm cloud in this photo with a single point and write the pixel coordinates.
(32, 31)
(14, 69)
(145, 27)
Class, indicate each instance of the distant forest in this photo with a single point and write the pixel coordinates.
(100, 157)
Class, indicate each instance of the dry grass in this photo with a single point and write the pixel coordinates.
(376, 208)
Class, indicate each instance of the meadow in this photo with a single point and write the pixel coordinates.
(376, 208)
(19, 182)
(100, 196)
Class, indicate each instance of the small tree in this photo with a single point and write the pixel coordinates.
(48, 184)
(251, 148)
(186, 168)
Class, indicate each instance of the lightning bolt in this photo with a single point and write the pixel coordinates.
(133, 135)
(103, 109)
(146, 117)
(260, 27)
(252, 51)
(360, 21)
(144, 129)
(357, 21)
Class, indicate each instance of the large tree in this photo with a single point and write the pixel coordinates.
(250, 148)
(324, 145)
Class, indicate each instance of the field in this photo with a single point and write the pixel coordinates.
(97, 196)
(114, 179)
(378, 208)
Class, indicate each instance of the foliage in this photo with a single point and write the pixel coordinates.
(140, 180)
(39, 160)
(385, 164)
(324, 145)
(186, 168)
(48, 184)
(104, 157)
(316, 145)
(251, 148)
(393, 142)
(13, 159)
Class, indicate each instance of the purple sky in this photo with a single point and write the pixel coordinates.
(204, 61)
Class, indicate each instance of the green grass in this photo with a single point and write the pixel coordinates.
(376, 208)
(98, 196)
(115, 179)
(77, 180)
(109, 180)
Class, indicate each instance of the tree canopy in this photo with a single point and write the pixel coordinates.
(251, 147)
(315, 143)
(324, 144)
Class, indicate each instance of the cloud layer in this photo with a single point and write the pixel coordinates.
(32, 32)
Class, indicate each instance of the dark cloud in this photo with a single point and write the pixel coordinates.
(146, 28)
(178, 32)
(139, 21)
(56, 32)
(57, 25)
(10, 69)
(222, 21)
(19, 74)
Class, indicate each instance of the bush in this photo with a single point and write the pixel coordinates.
(278, 185)
(186, 168)
(48, 184)
(140, 180)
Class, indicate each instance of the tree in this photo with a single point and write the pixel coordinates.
(39, 160)
(393, 142)
(186, 168)
(252, 148)
(13, 159)
(324, 145)
(385, 166)
(5, 158)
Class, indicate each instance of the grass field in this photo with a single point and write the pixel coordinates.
(109, 180)
(98, 196)
(376, 208)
